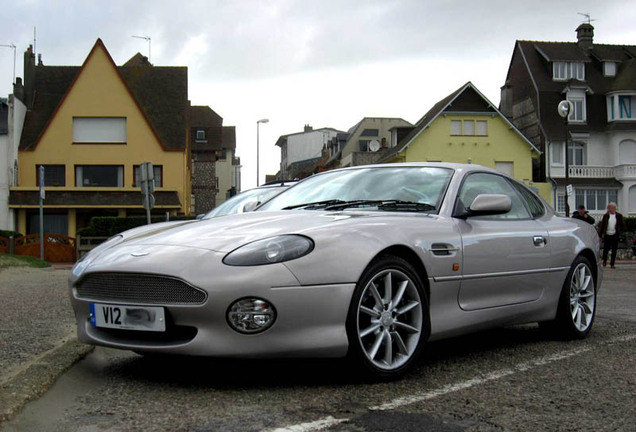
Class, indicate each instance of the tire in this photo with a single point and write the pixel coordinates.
(577, 304)
(388, 322)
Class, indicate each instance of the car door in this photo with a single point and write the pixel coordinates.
(506, 257)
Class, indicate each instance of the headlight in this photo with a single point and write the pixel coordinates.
(251, 315)
(83, 263)
(269, 251)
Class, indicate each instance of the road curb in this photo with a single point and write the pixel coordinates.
(38, 376)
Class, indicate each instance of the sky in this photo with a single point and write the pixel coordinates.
(326, 63)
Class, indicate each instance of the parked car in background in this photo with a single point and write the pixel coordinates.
(368, 262)
(248, 200)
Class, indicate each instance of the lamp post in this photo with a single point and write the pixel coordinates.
(564, 109)
(258, 123)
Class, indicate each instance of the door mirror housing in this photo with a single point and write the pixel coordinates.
(486, 205)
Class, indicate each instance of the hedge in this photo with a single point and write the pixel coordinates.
(8, 234)
(630, 224)
(104, 226)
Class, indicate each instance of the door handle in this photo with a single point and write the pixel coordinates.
(539, 240)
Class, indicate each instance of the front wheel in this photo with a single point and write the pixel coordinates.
(388, 322)
(577, 304)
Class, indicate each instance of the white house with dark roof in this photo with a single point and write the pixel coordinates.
(600, 82)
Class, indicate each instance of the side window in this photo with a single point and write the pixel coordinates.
(486, 183)
(534, 204)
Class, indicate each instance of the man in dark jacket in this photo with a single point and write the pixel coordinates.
(612, 225)
(583, 215)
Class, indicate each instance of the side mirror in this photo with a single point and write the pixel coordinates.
(487, 204)
(200, 216)
(249, 206)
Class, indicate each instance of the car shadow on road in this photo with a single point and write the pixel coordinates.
(255, 373)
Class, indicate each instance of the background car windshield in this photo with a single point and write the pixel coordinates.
(415, 184)
(237, 202)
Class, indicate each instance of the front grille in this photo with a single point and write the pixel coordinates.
(138, 288)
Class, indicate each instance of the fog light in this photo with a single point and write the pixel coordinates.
(251, 315)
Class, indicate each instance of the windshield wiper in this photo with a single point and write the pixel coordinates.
(383, 205)
(314, 204)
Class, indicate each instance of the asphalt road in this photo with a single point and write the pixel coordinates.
(514, 379)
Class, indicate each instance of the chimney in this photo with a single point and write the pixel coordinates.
(505, 104)
(29, 76)
(585, 35)
(18, 89)
(308, 128)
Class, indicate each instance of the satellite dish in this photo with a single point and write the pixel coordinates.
(565, 108)
(374, 145)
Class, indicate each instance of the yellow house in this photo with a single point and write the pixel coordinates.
(91, 127)
(465, 127)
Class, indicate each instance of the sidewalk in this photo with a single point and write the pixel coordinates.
(37, 334)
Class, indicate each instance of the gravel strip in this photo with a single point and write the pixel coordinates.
(37, 334)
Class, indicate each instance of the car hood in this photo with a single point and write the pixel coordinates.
(225, 234)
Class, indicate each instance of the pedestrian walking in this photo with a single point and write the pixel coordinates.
(583, 215)
(612, 225)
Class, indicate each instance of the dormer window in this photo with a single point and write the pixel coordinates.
(609, 69)
(200, 135)
(579, 111)
(562, 71)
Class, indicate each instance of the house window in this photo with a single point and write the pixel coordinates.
(99, 176)
(625, 107)
(52, 224)
(482, 127)
(576, 153)
(370, 133)
(611, 112)
(200, 135)
(158, 175)
(578, 112)
(556, 153)
(54, 175)
(99, 130)
(595, 199)
(364, 145)
(562, 71)
(456, 127)
(609, 69)
(223, 154)
(469, 127)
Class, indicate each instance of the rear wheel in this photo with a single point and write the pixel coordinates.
(388, 322)
(577, 304)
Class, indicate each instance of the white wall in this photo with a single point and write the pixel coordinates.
(307, 145)
(8, 157)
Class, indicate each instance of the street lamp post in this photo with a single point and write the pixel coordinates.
(564, 109)
(258, 123)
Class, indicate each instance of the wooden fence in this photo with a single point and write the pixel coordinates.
(57, 247)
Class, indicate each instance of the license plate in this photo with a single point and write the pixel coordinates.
(144, 318)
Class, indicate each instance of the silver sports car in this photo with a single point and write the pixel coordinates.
(369, 262)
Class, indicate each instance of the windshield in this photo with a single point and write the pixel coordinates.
(382, 188)
(237, 202)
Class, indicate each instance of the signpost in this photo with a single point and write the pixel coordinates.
(42, 196)
(147, 187)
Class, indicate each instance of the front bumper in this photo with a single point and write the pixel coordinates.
(310, 319)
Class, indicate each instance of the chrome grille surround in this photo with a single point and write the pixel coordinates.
(138, 288)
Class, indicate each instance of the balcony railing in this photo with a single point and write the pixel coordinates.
(619, 172)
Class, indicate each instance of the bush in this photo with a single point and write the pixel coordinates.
(104, 226)
(8, 234)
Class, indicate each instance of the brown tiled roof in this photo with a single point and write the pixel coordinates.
(229, 137)
(204, 116)
(625, 77)
(561, 51)
(138, 60)
(92, 198)
(161, 92)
